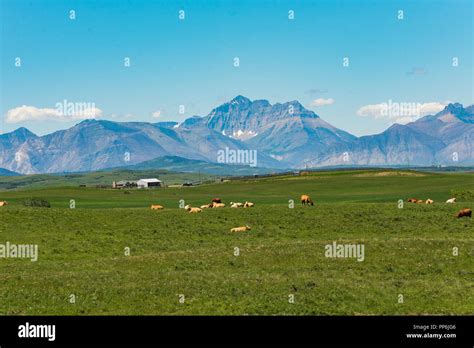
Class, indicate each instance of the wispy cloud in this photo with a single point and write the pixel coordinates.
(322, 102)
(417, 71)
(314, 91)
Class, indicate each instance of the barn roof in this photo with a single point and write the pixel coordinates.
(150, 180)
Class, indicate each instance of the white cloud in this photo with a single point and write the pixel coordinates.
(322, 102)
(156, 114)
(28, 113)
(432, 108)
(64, 111)
(400, 112)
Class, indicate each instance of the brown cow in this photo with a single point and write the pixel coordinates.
(156, 207)
(464, 212)
(192, 210)
(412, 200)
(216, 200)
(305, 199)
(240, 229)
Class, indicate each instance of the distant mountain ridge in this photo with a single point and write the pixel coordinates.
(283, 135)
(446, 138)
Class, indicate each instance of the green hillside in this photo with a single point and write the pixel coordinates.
(180, 164)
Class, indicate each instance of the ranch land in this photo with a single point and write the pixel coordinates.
(419, 258)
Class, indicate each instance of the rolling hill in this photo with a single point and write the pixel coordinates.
(184, 165)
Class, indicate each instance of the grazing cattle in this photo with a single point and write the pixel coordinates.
(412, 200)
(464, 212)
(205, 206)
(248, 205)
(216, 200)
(240, 229)
(236, 205)
(429, 201)
(192, 210)
(451, 200)
(218, 205)
(420, 201)
(3, 203)
(156, 207)
(305, 199)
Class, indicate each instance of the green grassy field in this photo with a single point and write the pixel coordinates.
(408, 251)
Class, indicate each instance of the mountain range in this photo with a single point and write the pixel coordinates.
(282, 135)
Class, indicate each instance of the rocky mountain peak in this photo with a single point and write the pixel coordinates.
(241, 100)
(453, 108)
(456, 112)
(19, 135)
(23, 132)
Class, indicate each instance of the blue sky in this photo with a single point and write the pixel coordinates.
(190, 62)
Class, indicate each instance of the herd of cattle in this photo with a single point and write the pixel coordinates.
(305, 200)
(215, 203)
(430, 201)
(466, 212)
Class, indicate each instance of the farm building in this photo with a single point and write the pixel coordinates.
(146, 183)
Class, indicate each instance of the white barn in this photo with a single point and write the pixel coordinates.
(146, 183)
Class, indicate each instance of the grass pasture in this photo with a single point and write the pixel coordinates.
(408, 251)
